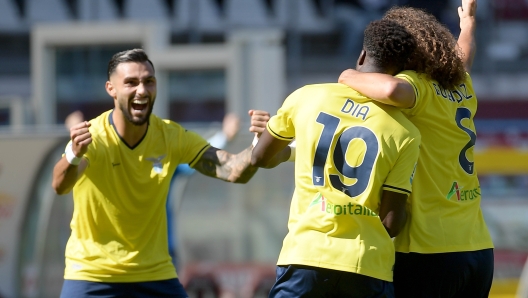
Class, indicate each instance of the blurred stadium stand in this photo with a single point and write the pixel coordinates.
(311, 35)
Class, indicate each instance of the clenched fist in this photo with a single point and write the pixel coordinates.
(259, 119)
(81, 138)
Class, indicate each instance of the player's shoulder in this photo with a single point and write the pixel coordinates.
(414, 77)
(165, 125)
(325, 87)
(101, 122)
(402, 124)
(329, 90)
(172, 130)
(467, 79)
(303, 94)
(409, 73)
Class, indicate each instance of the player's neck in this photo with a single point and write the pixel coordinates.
(370, 68)
(368, 65)
(128, 132)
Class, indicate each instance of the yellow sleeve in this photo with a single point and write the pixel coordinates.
(190, 146)
(419, 87)
(402, 173)
(281, 125)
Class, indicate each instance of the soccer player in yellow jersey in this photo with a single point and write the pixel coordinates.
(445, 250)
(353, 172)
(119, 166)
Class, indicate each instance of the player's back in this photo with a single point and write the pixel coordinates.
(339, 131)
(445, 214)
(348, 150)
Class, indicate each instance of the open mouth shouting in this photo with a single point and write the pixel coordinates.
(140, 105)
(138, 110)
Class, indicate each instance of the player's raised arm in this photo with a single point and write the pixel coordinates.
(70, 167)
(468, 25)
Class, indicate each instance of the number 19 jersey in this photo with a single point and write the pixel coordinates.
(348, 150)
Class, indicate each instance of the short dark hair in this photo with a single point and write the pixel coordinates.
(134, 55)
(388, 44)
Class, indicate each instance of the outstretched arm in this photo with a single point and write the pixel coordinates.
(380, 87)
(223, 165)
(229, 167)
(468, 25)
(230, 127)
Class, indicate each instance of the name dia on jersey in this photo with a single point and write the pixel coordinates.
(355, 109)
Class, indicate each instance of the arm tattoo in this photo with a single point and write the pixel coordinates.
(226, 166)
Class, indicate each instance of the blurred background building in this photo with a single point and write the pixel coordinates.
(214, 57)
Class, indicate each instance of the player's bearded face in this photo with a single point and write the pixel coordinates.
(136, 91)
(135, 113)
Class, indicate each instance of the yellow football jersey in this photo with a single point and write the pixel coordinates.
(348, 149)
(119, 225)
(445, 213)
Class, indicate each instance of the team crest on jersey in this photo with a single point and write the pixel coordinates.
(156, 163)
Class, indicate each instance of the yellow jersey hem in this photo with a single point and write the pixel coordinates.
(444, 249)
(124, 278)
(351, 269)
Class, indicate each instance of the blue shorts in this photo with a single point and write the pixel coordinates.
(454, 274)
(170, 288)
(305, 281)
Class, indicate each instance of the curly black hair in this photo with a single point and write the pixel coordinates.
(388, 44)
(437, 53)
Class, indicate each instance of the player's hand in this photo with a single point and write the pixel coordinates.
(81, 138)
(259, 119)
(467, 12)
(230, 125)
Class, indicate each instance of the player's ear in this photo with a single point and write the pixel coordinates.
(361, 59)
(110, 89)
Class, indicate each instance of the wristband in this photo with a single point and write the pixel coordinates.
(255, 141)
(292, 146)
(70, 156)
